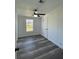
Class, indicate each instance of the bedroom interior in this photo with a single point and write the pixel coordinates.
(39, 29)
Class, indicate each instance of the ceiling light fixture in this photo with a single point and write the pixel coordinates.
(36, 12)
(35, 16)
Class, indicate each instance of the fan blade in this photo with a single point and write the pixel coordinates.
(40, 14)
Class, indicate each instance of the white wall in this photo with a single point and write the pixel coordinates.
(16, 26)
(16, 29)
(55, 26)
(22, 26)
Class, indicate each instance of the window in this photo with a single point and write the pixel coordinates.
(29, 25)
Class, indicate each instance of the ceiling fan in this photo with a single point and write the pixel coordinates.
(36, 10)
(38, 14)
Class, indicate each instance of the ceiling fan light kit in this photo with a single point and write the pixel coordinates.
(35, 16)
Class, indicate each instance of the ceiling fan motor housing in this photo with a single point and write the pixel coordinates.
(41, 1)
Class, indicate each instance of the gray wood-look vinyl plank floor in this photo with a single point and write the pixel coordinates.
(37, 47)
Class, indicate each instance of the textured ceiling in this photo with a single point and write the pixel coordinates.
(26, 7)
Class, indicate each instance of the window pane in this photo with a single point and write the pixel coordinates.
(29, 25)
